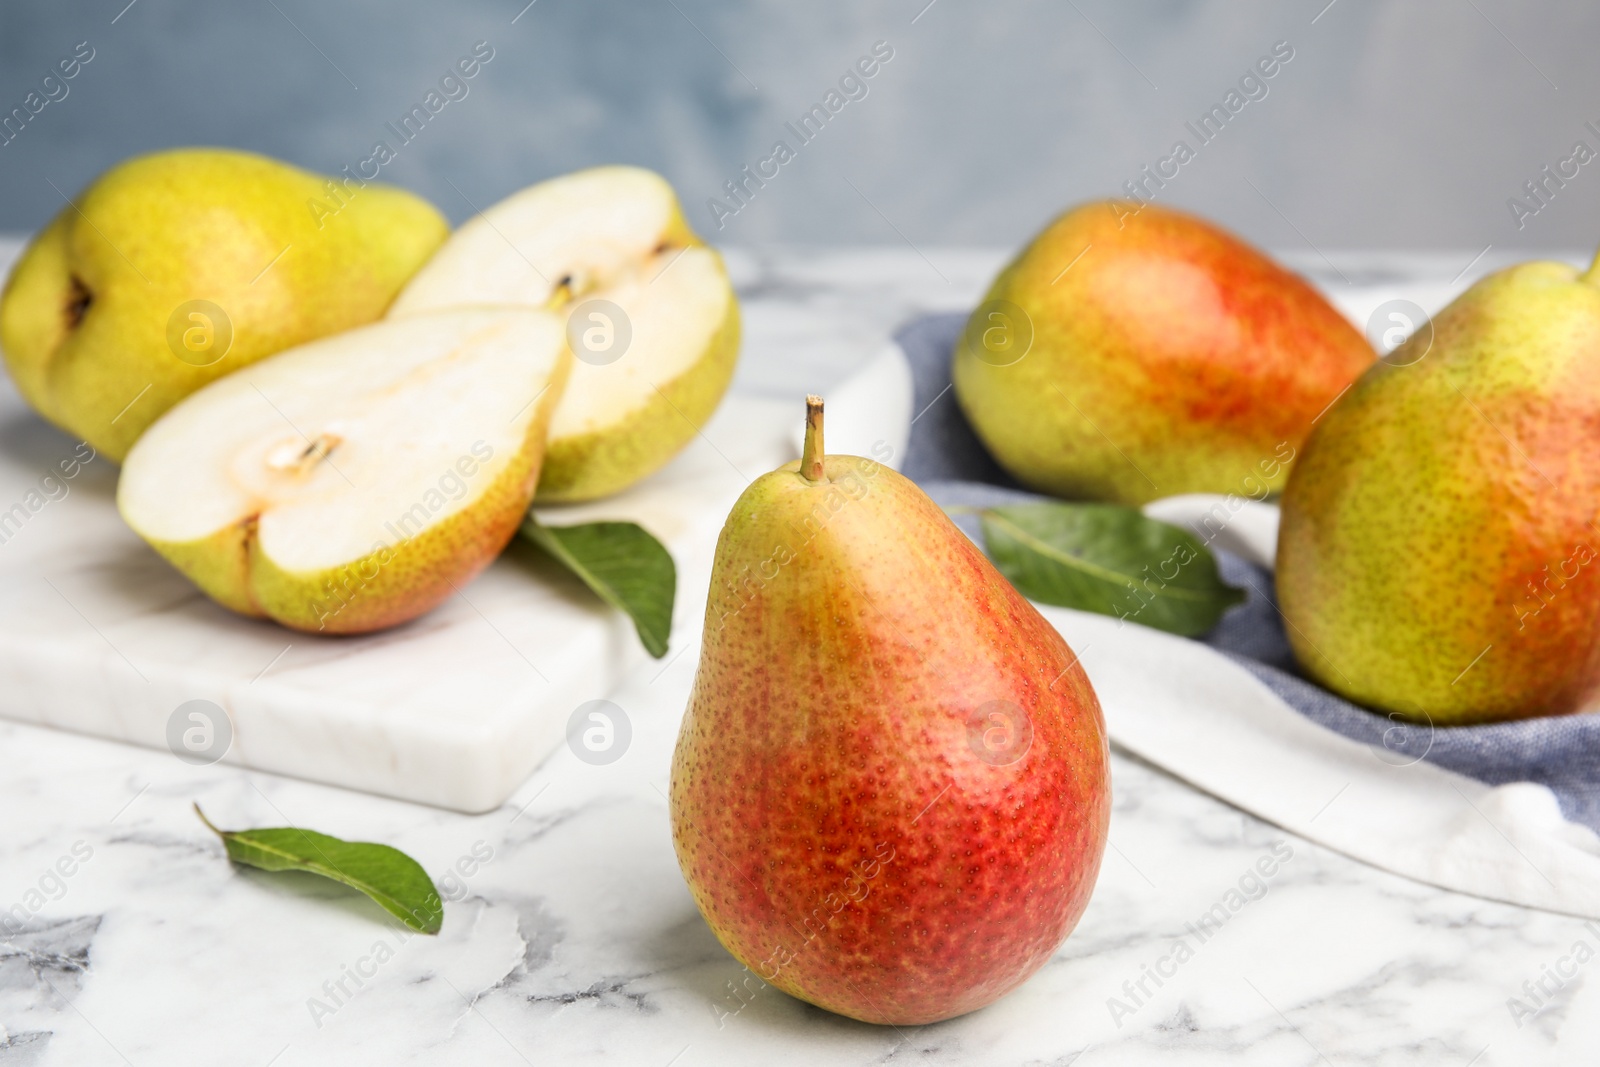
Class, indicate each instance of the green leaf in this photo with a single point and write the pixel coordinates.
(1109, 559)
(624, 565)
(393, 879)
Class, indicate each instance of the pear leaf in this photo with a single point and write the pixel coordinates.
(390, 877)
(1109, 559)
(624, 565)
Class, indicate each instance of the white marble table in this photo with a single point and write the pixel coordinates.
(577, 942)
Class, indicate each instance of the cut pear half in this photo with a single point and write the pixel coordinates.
(651, 314)
(355, 482)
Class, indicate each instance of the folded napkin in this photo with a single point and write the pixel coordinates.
(1506, 811)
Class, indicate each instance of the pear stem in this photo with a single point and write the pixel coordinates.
(811, 453)
(1592, 275)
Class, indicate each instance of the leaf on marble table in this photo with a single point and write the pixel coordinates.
(390, 877)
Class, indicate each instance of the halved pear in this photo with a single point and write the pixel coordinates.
(176, 268)
(644, 383)
(355, 482)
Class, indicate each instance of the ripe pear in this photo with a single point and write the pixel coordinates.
(176, 268)
(1437, 556)
(653, 318)
(353, 483)
(890, 794)
(1128, 356)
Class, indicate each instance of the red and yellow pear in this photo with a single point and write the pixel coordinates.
(1127, 356)
(891, 791)
(1438, 555)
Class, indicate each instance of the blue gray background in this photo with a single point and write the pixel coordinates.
(1396, 125)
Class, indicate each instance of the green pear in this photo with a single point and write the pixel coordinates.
(1127, 356)
(178, 267)
(653, 319)
(354, 482)
(1437, 553)
(891, 788)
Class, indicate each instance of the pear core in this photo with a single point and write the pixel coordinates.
(417, 441)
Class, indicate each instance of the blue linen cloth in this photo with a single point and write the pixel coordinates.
(945, 458)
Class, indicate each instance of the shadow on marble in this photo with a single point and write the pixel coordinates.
(307, 886)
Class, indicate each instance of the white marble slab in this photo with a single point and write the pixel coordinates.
(99, 635)
(578, 942)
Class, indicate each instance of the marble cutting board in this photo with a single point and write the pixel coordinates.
(99, 635)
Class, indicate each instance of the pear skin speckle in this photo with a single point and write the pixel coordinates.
(1438, 556)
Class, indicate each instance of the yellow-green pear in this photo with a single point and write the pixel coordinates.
(652, 317)
(354, 482)
(178, 267)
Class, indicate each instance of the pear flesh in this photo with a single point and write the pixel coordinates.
(891, 790)
(1438, 556)
(645, 381)
(178, 267)
(355, 482)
